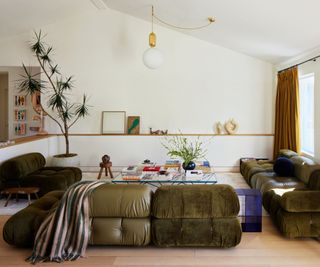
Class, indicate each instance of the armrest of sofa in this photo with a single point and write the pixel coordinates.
(301, 201)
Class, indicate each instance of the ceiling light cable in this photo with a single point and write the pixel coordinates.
(209, 19)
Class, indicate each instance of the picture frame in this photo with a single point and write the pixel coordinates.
(113, 122)
(133, 125)
(20, 100)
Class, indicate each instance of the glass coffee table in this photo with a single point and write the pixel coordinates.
(156, 180)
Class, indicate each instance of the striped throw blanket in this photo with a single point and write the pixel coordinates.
(64, 234)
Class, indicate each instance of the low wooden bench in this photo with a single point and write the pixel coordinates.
(22, 191)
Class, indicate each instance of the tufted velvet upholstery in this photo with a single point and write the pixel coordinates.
(28, 170)
(293, 202)
(21, 228)
(196, 215)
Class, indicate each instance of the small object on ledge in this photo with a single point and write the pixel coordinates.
(231, 126)
(34, 128)
(7, 143)
(219, 127)
(106, 164)
(159, 132)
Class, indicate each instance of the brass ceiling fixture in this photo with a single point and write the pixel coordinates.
(153, 57)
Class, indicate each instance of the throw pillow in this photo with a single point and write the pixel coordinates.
(283, 167)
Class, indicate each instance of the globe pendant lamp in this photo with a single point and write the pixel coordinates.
(152, 57)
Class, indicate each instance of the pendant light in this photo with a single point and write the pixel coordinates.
(152, 57)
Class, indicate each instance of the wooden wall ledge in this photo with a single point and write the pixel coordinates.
(33, 138)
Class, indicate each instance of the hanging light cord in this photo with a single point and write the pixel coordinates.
(210, 21)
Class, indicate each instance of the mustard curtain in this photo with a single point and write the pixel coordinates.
(287, 121)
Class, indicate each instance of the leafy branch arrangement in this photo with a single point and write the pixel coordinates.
(57, 87)
(179, 147)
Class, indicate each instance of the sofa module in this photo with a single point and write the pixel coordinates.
(196, 215)
(29, 170)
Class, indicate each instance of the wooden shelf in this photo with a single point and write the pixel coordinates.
(173, 134)
(27, 139)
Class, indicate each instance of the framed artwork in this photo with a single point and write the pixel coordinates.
(36, 102)
(20, 100)
(113, 122)
(133, 125)
(20, 129)
(20, 114)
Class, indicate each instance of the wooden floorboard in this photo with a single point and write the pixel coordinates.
(266, 249)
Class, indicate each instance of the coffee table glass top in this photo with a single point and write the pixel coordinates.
(170, 178)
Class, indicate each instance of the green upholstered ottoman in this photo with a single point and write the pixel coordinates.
(196, 215)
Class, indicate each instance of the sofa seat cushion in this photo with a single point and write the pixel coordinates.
(250, 168)
(293, 224)
(21, 228)
(218, 232)
(121, 200)
(301, 201)
(49, 179)
(195, 201)
(265, 181)
(120, 231)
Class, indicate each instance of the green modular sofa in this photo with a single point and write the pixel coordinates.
(29, 170)
(132, 215)
(292, 202)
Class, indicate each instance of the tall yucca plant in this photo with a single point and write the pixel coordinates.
(64, 112)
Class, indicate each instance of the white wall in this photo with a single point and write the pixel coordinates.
(198, 84)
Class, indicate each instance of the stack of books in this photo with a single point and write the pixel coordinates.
(204, 166)
(172, 165)
(130, 173)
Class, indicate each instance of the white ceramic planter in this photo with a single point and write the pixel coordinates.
(73, 161)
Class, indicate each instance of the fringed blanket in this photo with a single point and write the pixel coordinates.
(64, 234)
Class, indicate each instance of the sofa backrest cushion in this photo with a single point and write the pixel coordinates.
(121, 201)
(303, 168)
(195, 201)
(287, 153)
(16, 168)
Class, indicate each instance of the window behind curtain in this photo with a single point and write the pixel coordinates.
(306, 87)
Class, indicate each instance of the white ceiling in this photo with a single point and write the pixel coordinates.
(18, 16)
(272, 30)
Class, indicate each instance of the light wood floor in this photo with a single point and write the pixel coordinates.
(266, 249)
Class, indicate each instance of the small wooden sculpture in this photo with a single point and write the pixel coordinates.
(105, 164)
(159, 132)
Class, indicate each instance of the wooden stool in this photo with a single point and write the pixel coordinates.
(105, 164)
(20, 190)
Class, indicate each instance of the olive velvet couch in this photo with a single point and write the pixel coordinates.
(133, 215)
(29, 170)
(292, 202)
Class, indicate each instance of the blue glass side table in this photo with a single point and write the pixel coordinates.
(251, 214)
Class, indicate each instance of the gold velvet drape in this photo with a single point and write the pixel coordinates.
(287, 121)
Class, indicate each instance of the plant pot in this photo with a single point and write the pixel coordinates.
(190, 166)
(73, 160)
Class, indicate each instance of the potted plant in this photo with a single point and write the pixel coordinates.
(60, 105)
(180, 147)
